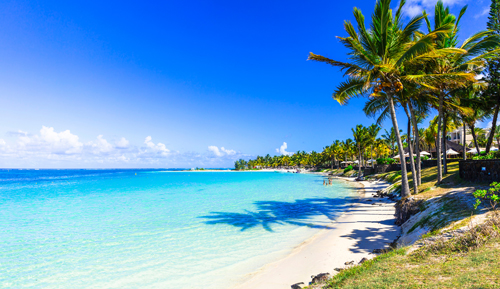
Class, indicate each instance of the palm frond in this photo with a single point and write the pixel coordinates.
(352, 87)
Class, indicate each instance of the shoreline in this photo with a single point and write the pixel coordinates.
(366, 225)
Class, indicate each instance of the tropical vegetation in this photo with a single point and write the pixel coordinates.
(417, 66)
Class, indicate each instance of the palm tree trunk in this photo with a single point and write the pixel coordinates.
(371, 155)
(405, 189)
(359, 163)
(465, 146)
(417, 141)
(438, 139)
(472, 127)
(333, 161)
(445, 123)
(492, 130)
(412, 162)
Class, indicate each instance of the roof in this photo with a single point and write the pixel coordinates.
(451, 145)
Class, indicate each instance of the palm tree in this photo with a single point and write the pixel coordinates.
(361, 136)
(390, 139)
(430, 137)
(378, 57)
(373, 131)
(497, 136)
(336, 148)
(463, 65)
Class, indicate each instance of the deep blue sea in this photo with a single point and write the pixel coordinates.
(154, 228)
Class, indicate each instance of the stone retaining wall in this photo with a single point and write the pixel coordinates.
(480, 170)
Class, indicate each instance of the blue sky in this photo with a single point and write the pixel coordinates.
(176, 83)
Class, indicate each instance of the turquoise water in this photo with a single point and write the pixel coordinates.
(154, 229)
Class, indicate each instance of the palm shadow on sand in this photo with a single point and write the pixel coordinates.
(274, 213)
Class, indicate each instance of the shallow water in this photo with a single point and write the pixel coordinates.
(154, 229)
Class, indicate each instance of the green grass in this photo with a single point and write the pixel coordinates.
(477, 269)
(470, 260)
(429, 187)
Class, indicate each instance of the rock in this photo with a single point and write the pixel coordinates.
(338, 269)
(363, 260)
(297, 285)
(349, 263)
(378, 251)
(322, 277)
(406, 208)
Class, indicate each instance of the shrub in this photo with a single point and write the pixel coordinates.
(423, 158)
(492, 194)
(349, 168)
(489, 156)
(385, 161)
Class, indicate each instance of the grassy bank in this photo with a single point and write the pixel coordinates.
(468, 260)
(447, 259)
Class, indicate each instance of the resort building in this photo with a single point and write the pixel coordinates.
(457, 136)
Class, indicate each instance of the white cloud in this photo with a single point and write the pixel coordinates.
(215, 150)
(222, 151)
(413, 8)
(282, 150)
(488, 125)
(100, 145)
(17, 133)
(51, 148)
(485, 11)
(156, 148)
(228, 152)
(122, 143)
(51, 142)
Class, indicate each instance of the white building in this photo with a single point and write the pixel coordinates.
(457, 136)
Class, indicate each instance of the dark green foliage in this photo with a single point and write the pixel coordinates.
(492, 94)
(492, 195)
(385, 161)
(349, 168)
(424, 158)
(487, 156)
(240, 164)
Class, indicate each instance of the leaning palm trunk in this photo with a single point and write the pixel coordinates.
(472, 127)
(412, 162)
(405, 189)
(445, 123)
(371, 156)
(492, 130)
(438, 139)
(465, 146)
(417, 146)
(359, 163)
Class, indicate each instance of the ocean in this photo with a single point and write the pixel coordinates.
(155, 228)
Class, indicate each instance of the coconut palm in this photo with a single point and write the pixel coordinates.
(390, 139)
(465, 64)
(496, 135)
(430, 134)
(336, 148)
(378, 57)
(373, 131)
(361, 136)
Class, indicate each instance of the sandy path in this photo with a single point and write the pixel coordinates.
(353, 236)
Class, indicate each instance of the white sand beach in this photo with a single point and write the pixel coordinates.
(368, 224)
